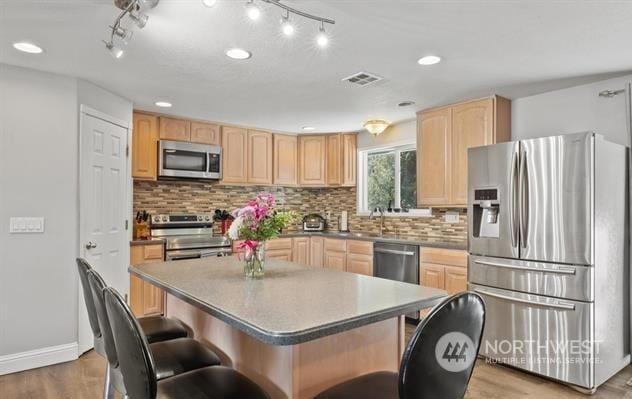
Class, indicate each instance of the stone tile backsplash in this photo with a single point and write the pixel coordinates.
(199, 197)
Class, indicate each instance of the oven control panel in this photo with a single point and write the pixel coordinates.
(182, 219)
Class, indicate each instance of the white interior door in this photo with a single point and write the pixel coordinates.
(103, 206)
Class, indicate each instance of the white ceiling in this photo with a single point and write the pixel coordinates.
(513, 48)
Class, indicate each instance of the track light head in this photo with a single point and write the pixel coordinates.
(322, 40)
(115, 52)
(286, 26)
(252, 10)
(139, 18)
(124, 34)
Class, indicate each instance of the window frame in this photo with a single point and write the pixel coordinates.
(362, 189)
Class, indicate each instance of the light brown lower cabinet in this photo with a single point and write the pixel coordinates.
(316, 251)
(445, 269)
(280, 248)
(300, 250)
(145, 299)
(335, 260)
(360, 264)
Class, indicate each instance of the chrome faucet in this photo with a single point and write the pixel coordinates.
(381, 211)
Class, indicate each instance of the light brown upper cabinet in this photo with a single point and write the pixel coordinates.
(334, 159)
(145, 147)
(205, 133)
(175, 129)
(349, 159)
(312, 160)
(285, 160)
(259, 157)
(443, 138)
(234, 154)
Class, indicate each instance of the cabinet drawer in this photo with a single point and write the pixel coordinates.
(360, 247)
(280, 254)
(152, 252)
(332, 244)
(450, 257)
(279, 243)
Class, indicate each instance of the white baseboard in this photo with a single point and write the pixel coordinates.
(38, 358)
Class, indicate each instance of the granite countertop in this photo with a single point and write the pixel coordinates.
(292, 303)
(398, 239)
(151, 241)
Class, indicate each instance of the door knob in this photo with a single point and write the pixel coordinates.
(91, 245)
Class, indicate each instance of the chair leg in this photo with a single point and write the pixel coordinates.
(108, 388)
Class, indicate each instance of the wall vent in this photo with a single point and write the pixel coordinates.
(362, 78)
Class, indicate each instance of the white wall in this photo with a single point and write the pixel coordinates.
(39, 163)
(573, 110)
(38, 177)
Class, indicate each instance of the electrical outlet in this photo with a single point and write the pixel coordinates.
(21, 225)
(451, 217)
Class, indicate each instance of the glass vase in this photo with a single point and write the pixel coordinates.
(249, 257)
(259, 260)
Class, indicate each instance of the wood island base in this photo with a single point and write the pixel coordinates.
(297, 371)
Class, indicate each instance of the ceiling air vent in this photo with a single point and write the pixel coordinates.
(362, 78)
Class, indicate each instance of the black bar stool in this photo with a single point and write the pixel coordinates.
(139, 368)
(172, 357)
(156, 328)
(438, 361)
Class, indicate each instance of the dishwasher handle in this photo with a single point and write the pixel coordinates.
(394, 252)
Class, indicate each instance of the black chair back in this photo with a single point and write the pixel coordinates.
(97, 285)
(135, 360)
(84, 267)
(440, 357)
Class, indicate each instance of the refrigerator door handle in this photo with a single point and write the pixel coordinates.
(524, 200)
(547, 269)
(513, 200)
(554, 305)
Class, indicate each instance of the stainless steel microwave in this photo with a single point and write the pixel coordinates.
(189, 160)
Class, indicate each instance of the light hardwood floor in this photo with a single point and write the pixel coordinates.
(83, 379)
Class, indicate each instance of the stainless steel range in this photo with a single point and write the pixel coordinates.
(189, 236)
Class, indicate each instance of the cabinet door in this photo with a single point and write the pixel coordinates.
(285, 160)
(259, 157)
(145, 298)
(360, 264)
(175, 129)
(472, 126)
(205, 133)
(316, 251)
(335, 260)
(311, 157)
(145, 147)
(334, 160)
(279, 254)
(300, 250)
(234, 154)
(432, 275)
(455, 279)
(433, 153)
(349, 159)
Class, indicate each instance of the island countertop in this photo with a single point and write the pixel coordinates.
(293, 303)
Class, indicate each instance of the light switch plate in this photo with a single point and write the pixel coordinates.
(21, 225)
(451, 217)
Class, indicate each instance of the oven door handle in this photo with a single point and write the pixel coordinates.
(554, 305)
(548, 269)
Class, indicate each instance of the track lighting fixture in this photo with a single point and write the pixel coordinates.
(133, 8)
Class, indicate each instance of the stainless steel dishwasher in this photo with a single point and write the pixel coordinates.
(399, 262)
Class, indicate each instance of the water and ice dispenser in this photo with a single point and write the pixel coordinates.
(486, 207)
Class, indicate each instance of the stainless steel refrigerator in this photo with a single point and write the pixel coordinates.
(548, 236)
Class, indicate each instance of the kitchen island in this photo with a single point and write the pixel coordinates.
(298, 330)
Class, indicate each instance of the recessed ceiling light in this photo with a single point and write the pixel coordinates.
(163, 104)
(209, 3)
(238, 54)
(309, 128)
(429, 60)
(406, 104)
(27, 47)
